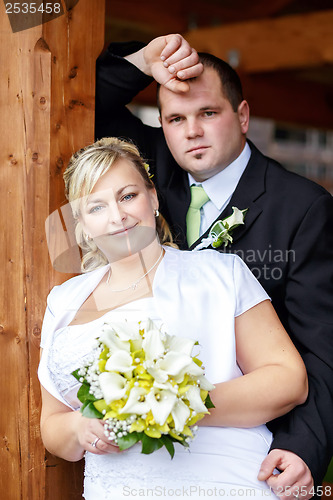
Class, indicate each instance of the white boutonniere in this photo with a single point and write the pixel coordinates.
(221, 230)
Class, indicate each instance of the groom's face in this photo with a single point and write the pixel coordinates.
(203, 132)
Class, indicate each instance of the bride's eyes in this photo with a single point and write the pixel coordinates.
(128, 197)
(98, 208)
(93, 210)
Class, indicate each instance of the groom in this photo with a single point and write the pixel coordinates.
(287, 237)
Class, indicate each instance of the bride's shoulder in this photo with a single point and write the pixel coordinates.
(77, 284)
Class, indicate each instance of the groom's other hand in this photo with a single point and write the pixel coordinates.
(295, 479)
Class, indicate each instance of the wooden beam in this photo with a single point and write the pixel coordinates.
(47, 112)
(17, 174)
(290, 42)
(126, 16)
(284, 98)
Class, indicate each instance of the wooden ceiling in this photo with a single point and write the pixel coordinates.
(283, 49)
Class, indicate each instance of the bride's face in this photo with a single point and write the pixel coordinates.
(119, 212)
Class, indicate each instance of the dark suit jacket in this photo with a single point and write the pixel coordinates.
(287, 241)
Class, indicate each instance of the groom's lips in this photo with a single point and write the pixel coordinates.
(198, 149)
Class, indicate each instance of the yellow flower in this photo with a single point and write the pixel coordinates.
(101, 365)
(152, 432)
(138, 426)
(101, 405)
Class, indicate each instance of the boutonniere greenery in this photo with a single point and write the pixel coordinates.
(220, 232)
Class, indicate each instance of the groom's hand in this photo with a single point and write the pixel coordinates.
(170, 60)
(295, 479)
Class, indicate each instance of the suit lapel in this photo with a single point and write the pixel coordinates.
(178, 199)
(246, 195)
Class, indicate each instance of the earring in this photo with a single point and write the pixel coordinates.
(156, 213)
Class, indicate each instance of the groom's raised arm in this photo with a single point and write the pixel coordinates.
(125, 69)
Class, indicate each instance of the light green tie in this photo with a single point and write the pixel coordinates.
(193, 218)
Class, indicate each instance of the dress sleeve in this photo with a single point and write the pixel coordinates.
(45, 378)
(48, 328)
(48, 322)
(248, 290)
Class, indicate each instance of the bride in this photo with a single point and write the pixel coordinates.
(132, 272)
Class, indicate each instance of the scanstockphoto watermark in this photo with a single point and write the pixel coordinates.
(196, 491)
(28, 14)
(267, 263)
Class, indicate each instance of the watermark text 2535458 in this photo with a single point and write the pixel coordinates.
(24, 15)
(33, 7)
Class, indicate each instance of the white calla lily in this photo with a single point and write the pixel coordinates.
(180, 414)
(112, 341)
(174, 363)
(236, 218)
(134, 403)
(128, 330)
(153, 345)
(162, 407)
(119, 361)
(153, 369)
(180, 344)
(194, 370)
(205, 384)
(167, 385)
(194, 398)
(113, 386)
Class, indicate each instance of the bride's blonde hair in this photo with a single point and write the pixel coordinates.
(85, 168)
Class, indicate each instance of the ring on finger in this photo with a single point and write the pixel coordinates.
(94, 443)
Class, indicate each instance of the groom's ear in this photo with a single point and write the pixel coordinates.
(243, 112)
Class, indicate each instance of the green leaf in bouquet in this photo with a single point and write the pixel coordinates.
(168, 443)
(83, 393)
(149, 445)
(208, 402)
(76, 374)
(129, 440)
(88, 410)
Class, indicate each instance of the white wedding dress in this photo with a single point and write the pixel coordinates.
(221, 462)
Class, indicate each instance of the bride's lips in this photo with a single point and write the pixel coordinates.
(123, 230)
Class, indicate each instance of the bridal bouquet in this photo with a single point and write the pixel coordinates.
(145, 385)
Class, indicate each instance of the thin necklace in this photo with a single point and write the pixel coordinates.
(135, 284)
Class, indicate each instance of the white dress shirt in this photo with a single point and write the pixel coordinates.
(220, 188)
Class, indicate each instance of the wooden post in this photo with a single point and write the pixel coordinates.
(47, 112)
